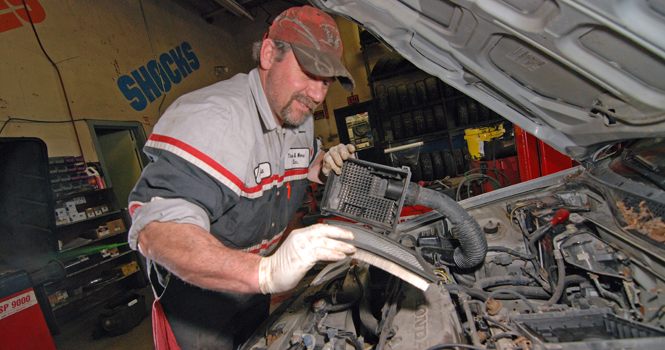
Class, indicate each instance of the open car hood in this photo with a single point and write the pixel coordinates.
(576, 74)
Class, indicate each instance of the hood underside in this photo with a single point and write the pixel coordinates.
(576, 74)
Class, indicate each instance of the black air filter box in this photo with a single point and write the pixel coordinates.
(369, 193)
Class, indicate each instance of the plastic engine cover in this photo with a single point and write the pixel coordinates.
(425, 319)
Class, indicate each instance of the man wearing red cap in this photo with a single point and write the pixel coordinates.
(229, 168)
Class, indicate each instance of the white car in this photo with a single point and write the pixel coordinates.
(573, 260)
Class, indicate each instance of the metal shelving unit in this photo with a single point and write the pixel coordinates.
(413, 107)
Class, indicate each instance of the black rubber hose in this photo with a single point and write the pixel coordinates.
(518, 295)
(533, 240)
(473, 244)
(474, 293)
(500, 324)
(575, 279)
(501, 280)
(463, 280)
(526, 291)
(561, 282)
(531, 292)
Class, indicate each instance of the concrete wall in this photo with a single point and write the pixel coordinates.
(102, 48)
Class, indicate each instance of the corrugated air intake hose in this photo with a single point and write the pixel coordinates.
(473, 244)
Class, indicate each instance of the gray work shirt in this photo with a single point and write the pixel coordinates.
(220, 161)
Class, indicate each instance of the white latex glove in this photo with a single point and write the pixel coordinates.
(301, 250)
(335, 157)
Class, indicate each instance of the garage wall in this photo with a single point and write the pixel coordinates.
(96, 44)
(105, 50)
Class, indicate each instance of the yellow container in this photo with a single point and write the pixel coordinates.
(130, 268)
(476, 137)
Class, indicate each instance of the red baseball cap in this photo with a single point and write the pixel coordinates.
(315, 40)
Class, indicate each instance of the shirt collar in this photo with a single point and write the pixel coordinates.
(261, 100)
(265, 113)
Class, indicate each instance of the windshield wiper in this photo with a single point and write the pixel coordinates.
(643, 167)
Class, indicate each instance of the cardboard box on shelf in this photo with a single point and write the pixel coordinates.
(90, 212)
(129, 268)
(57, 297)
(71, 209)
(116, 226)
(102, 231)
(60, 213)
(110, 252)
(105, 208)
(98, 211)
(61, 222)
(74, 217)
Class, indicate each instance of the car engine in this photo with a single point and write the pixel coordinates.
(561, 268)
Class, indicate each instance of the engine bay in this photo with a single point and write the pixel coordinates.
(558, 272)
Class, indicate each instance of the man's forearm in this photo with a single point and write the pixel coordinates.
(197, 257)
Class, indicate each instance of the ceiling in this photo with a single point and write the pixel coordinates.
(252, 10)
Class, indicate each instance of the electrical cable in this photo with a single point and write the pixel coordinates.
(62, 84)
(537, 278)
(517, 207)
(456, 288)
(10, 119)
(500, 325)
(507, 250)
(607, 294)
(494, 170)
(4, 124)
(594, 157)
(475, 177)
(475, 338)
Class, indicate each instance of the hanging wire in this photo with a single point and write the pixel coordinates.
(62, 84)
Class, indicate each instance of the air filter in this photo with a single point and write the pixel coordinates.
(368, 193)
(388, 255)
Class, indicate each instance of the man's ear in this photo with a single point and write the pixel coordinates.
(268, 52)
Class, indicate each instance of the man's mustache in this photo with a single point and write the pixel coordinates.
(306, 101)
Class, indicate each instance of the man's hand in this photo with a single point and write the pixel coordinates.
(301, 250)
(335, 157)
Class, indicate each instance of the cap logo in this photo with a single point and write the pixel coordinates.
(332, 36)
(299, 27)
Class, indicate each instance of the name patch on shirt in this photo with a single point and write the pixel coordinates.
(261, 172)
(297, 158)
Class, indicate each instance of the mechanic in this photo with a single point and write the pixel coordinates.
(229, 168)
